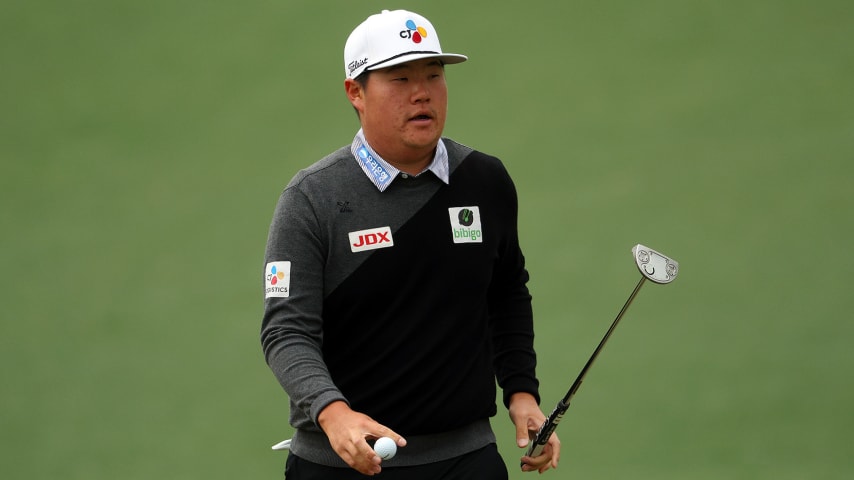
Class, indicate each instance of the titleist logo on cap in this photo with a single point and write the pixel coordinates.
(357, 63)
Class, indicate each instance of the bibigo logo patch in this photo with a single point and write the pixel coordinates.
(277, 279)
(465, 224)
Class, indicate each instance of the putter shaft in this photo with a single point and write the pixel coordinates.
(548, 427)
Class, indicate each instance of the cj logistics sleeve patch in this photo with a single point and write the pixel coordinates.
(277, 279)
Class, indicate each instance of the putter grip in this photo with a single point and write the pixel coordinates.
(547, 429)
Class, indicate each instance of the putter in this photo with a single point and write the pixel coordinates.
(653, 266)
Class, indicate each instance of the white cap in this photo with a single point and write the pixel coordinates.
(390, 38)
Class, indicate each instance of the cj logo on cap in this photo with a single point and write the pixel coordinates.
(465, 224)
(414, 32)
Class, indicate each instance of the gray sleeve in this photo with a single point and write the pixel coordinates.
(292, 326)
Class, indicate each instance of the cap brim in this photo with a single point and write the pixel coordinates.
(446, 58)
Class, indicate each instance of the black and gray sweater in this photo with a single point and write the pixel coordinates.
(409, 304)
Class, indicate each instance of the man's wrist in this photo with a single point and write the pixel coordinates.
(330, 412)
(523, 397)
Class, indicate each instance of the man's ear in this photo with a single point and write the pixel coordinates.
(355, 93)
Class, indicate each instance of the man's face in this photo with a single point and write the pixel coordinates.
(403, 108)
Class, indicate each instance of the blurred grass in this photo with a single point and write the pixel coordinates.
(143, 148)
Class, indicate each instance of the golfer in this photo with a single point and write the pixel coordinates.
(395, 287)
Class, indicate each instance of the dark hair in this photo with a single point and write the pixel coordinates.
(362, 79)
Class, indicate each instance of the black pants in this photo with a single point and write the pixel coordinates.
(483, 464)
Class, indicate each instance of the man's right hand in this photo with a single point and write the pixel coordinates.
(348, 432)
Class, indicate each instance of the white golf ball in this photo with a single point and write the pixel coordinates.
(385, 448)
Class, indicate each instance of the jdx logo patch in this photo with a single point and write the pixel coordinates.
(277, 279)
(465, 224)
(371, 239)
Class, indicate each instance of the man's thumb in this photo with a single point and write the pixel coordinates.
(522, 436)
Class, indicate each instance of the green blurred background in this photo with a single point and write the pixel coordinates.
(143, 146)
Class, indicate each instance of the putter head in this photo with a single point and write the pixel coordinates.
(283, 445)
(655, 266)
